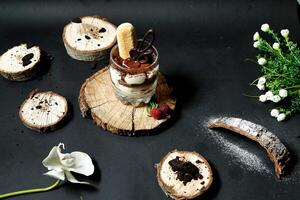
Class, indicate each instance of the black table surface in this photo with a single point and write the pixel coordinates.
(202, 45)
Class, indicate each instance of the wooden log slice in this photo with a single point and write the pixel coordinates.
(43, 111)
(184, 174)
(20, 63)
(89, 38)
(98, 99)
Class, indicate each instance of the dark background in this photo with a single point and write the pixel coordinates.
(203, 46)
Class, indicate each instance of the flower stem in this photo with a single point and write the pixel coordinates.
(246, 95)
(295, 86)
(29, 191)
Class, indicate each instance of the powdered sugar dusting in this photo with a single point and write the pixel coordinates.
(238, 155)
(246, 159)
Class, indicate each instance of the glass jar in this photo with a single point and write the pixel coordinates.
(134, 86)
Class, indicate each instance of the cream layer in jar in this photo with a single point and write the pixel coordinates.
(134, 85)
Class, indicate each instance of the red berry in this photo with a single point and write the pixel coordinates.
(164, 108)
(156, 113)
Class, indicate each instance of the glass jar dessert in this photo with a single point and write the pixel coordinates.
(134, 81)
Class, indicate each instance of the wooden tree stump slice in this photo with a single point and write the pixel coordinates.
(21, 62)
(98, 99)
(89, 38)
(177, 178)
(43, 111)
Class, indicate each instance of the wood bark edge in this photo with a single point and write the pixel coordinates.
(51, 127)
(84, 55)
(86, 110)
(275, 149)
(170, 191)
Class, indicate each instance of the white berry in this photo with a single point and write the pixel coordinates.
(275, 46)
(262, 98)
(256, 44)
(262, 61)
(274, 113)
(256, 36)
(285, 33)
(283, 93)
(262, 80)
(276, 98)
(265, 27)
(260, 86)
(269, 95)
(281, 117)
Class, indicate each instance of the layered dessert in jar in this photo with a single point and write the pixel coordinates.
(134, 66)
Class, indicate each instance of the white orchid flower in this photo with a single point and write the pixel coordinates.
(256, 36)
(276, 46)
(265, 27)
(60, 165)
(283, 93)
(262, 61)
(274, 113)
(285, 33)
(281, 117)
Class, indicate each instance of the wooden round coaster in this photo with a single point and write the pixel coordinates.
(21, 62)
(98, 99)
(176, 174)
(44, 111)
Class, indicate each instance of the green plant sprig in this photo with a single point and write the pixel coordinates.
(280, 71)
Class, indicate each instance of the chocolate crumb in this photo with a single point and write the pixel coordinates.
(186, 171)
(77, 20)
(38, 107)
(78, 39)
(87, 37)
(27, 59)
(102, 30)
(200, 176)
(202, 183)
(199, 161)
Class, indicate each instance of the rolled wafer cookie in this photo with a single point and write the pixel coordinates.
(126, 39)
